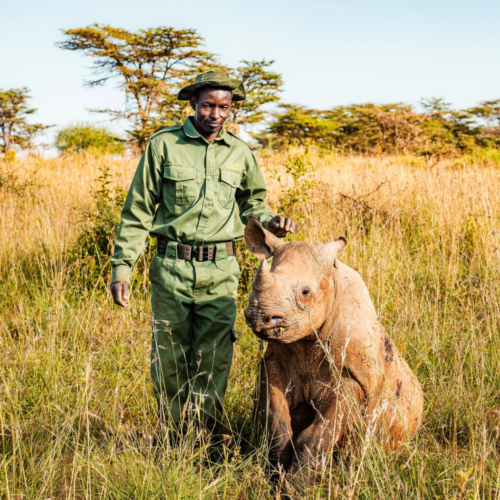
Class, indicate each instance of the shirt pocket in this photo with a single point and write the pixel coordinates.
(230, 180)
(179, 183)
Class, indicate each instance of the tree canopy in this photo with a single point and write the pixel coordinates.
(262, 87)
(15, 131)
(149, 66)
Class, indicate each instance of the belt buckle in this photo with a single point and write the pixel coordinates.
(205, 253)
(200, 257)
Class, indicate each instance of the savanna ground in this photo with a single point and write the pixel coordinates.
(77, 415)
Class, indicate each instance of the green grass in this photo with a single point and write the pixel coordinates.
(77, 414)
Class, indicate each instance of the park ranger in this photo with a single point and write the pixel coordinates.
(194, 186)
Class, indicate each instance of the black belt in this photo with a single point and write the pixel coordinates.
(201, 254)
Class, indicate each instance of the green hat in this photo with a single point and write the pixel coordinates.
(214, 79)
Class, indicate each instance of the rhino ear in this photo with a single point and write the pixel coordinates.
(335, 247)
(260, 242)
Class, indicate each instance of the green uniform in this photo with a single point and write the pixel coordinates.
(186, 190)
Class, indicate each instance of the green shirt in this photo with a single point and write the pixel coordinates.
(185, 189)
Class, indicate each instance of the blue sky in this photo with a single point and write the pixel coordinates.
(329, 52)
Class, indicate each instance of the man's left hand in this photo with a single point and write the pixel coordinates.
(280, 225)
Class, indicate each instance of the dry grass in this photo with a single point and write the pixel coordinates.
(77, 416)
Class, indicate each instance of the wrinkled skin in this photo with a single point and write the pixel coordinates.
(119, 292)
(330, 373)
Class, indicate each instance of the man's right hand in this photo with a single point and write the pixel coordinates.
(119, 291)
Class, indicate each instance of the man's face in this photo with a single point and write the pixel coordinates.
(211, 110)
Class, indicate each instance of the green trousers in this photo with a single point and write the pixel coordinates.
(194, 310)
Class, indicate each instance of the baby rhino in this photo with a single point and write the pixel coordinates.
(331, 374)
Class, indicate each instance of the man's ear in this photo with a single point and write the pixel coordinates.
(334, 248)
(260, 242)
(192, 102)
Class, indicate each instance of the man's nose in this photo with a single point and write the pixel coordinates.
(215, 114)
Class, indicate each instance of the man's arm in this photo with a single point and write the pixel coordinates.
(136, 220)
(250, 198)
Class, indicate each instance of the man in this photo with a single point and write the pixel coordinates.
(185, 192)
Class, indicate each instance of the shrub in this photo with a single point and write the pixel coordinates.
(293, 199)
(86, 137)
(89, 257)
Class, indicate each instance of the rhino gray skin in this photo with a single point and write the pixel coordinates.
(330, 373)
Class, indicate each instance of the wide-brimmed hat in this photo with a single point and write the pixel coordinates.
(214, 79)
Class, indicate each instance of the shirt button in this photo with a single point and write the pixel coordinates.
(209, 177)
(201, 230)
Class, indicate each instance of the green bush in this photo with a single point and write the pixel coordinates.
(89, 257)
(86, 137)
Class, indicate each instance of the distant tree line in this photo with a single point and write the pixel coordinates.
(151, 65)
(386, 129)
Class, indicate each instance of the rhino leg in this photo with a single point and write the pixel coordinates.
(276, 415)
(333, 415)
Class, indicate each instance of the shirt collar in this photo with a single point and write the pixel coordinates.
(190, 131)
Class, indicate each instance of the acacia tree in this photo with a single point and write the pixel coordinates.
(488, 111)
(297, 125)
(261, 86)
(448, 129)
(149, 65)
(15, 131)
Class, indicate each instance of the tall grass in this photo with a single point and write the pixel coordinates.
(77, 415)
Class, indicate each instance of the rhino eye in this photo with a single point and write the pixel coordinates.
(306, 292)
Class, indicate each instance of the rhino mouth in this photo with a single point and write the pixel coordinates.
(266, 324)
(270, 333)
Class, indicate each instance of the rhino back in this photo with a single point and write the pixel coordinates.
(372, 357)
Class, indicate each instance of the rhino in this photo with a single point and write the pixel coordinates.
(330, 375)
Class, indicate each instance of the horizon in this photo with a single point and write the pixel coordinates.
(391, 53)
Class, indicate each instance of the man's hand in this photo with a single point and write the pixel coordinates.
(119, 290)
(280, 225)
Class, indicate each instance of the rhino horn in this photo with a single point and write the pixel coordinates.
(264, 277)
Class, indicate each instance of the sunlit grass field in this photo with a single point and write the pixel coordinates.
(77, 414)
